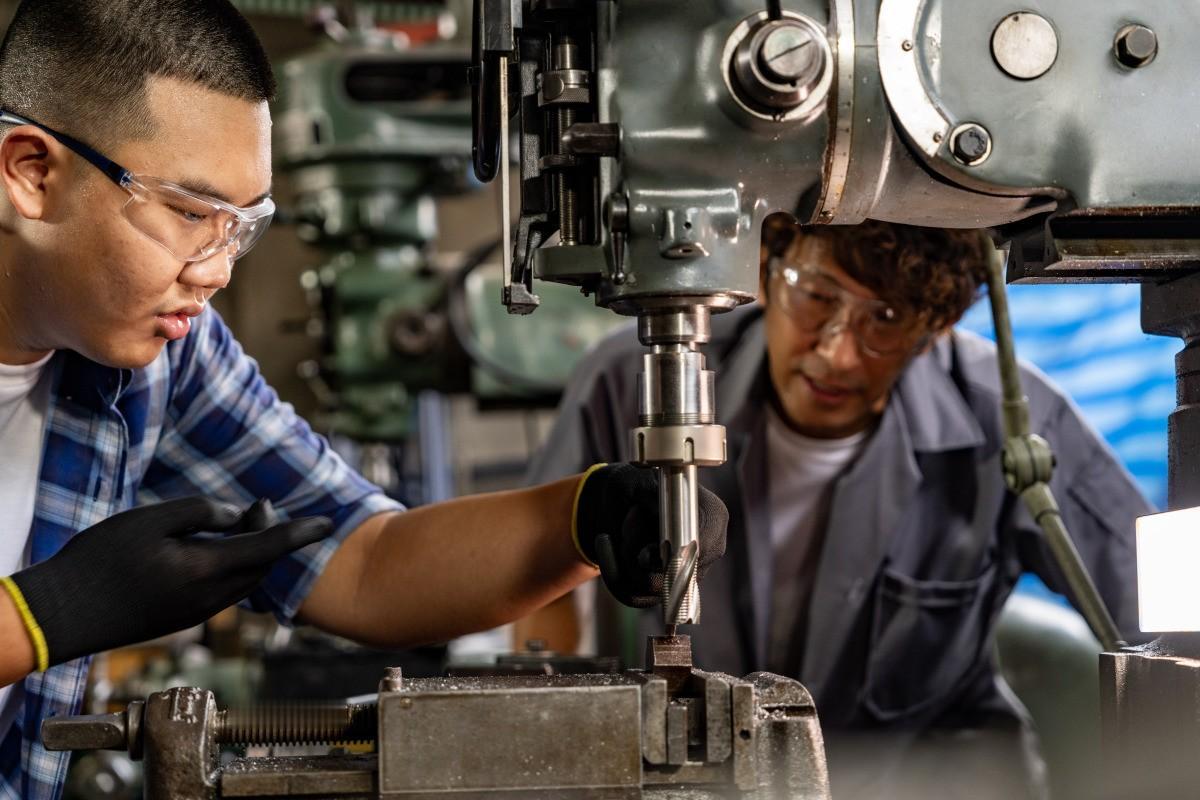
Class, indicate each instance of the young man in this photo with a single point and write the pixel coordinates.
(872, 541)
(135, 167)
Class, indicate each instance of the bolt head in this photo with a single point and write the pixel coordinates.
(970, 144)
(789, 53)
(1135, 46)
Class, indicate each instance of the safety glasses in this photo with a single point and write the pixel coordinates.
(189, 225)
(816, 303)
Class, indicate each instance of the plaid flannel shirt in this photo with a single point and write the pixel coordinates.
(200, 420)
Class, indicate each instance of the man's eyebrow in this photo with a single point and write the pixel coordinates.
(204, 187)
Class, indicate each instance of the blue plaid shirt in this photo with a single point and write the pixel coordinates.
(199, 420)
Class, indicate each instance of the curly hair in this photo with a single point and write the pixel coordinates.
(934, 271)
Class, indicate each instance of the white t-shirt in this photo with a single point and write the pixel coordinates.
(800, 476)
(24, 401)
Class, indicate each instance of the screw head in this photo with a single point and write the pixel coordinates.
(789, 54)
(1135, 46)
(970, 144)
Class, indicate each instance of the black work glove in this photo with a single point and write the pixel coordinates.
(144, 573)
(616, 528)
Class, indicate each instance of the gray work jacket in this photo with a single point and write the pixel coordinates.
(923, 543)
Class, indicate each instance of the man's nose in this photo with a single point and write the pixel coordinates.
(213, 273)
(838, 344)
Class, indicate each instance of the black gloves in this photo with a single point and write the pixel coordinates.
(143, 574)
(616, 529)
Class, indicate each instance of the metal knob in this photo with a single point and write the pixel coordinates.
(789, 54)
(779, 64)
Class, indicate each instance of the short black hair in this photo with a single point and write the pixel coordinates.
(82, 66)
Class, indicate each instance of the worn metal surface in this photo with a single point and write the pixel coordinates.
(337, 776)
(670, 657)
(538, 737)
(870, 170)
(1106, 134)
(552, 734)
(178, 744)
(1150, 722)
(91, 732)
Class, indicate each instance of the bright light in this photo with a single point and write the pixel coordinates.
(1168, 569)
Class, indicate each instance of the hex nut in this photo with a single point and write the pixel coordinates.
(970, 144)
(1135, 46)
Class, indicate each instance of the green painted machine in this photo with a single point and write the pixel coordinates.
(371, 131)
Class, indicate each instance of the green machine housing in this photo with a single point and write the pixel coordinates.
(371, 132)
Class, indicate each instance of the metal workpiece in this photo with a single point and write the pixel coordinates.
(671, 732)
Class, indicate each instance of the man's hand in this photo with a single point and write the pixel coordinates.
(145, 573)
(616, 527)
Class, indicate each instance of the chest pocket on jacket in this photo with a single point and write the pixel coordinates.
(925, 638)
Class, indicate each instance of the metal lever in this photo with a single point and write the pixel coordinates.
(1028, 463)
(121, 731)
(491, 37)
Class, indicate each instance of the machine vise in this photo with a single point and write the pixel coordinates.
(667, 733)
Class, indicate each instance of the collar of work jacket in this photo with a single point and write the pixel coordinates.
(926, 414)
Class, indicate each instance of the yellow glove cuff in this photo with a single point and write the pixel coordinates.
(41, 652)
(575, 514)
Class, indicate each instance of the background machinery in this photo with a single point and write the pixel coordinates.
(653, 139)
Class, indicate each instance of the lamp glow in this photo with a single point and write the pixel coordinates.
(1168, 570)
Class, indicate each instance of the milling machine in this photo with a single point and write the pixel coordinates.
(655, 136)
(373, 133)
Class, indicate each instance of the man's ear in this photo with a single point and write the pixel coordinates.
(29, 161)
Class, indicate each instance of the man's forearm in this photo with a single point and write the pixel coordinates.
(444, 570)
(16, 650)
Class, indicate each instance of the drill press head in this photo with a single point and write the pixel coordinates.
(650, 155)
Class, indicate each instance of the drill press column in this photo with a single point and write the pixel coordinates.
(678, 433)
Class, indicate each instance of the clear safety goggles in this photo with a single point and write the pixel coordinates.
(816, 303)
(189, 225)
